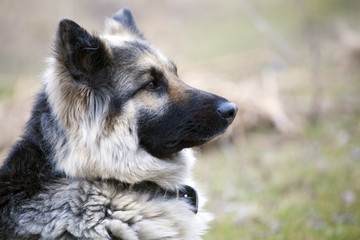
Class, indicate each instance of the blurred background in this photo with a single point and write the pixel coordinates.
(288, 168)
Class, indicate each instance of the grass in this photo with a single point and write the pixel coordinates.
(278, 188)
(6, 91)
(267, 186)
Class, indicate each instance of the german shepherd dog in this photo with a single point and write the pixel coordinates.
(105, 154)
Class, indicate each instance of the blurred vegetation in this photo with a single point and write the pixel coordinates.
(261, 182)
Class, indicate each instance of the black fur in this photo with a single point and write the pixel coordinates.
(184, 125)
(28, 167)
(84, 55)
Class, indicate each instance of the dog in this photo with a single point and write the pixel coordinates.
(106, 152)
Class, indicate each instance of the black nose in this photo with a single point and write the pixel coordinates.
(228, 111)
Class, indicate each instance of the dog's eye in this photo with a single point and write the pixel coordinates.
(151, 86)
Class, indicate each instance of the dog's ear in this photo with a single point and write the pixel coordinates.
(122, 21)
(83, 54)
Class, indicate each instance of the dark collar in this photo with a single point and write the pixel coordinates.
(183, 193)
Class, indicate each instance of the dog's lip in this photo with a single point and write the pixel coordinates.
(191, 142)
(178, 144)
(172, 143)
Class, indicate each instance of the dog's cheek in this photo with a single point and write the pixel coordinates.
(158, 126)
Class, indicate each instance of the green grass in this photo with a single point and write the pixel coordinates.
(6, 90)
(281, 188)
(267, 186)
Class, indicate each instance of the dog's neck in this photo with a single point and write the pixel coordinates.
(182, 193)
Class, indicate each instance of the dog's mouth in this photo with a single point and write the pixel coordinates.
(166, 147)
(177, 145)
(191, 142)
(174, 146)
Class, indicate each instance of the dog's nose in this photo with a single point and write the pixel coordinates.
(228, 111)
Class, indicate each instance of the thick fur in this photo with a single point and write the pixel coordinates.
(69, 209)
(112, 113)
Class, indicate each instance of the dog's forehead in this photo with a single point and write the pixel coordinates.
(118, 40)
(129, 50)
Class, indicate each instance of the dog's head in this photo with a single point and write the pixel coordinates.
(123, 109)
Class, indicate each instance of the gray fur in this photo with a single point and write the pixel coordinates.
(90, 210)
